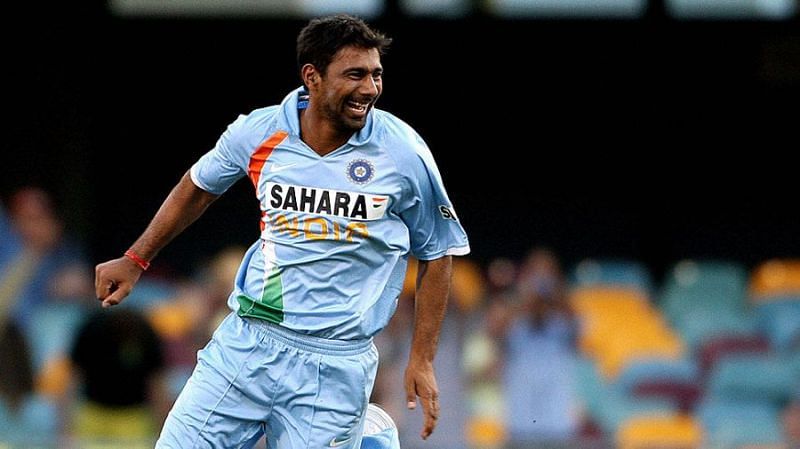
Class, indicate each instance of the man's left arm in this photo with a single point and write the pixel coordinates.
(433, 287)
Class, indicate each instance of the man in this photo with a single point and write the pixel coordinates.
(346, 193)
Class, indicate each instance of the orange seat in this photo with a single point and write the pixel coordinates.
(672, 431)
(773, 278)
(171, 320)
(619, 325)
(55, 377)
(467, 286)
(485, 433)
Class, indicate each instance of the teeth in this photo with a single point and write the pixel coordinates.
(357, 105)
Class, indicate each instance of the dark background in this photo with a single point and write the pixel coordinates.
(653, 139)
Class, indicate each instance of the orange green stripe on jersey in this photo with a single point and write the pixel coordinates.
(270, 306)
(259, 158)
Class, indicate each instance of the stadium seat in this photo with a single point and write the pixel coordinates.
(693, 285)
(702, 274)
(615, 410)
(34, 424)
(763, 446)
(601, 310)
(698, 327)
(516, 9)
(485, 433)
(149, 293)
(607, 406)
(792, 360)
(671, 431)
(53, 381)
(731, 10)
(731, 424)
(763, 378)
(52, 330)
(170, 320)
(467, 286)
(718, 348)
(779, 320)
(775, 278)
(674, 380)
(653, 369)
(619, 325)
(612, 273)
(682, 395)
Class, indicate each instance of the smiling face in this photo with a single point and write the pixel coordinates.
(348, 89)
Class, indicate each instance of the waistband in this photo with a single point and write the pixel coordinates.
(310, 343)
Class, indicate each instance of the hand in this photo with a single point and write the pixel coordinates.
(115, 279)
(420, 381)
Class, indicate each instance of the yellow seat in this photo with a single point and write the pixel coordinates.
(54, 379)
(671, 431)
(132, 426)
(619, 325)
(467, 286)
(171, 320)
(777, 277)
(485, 433)
(591, 294)
(410, 281)
(620, 352)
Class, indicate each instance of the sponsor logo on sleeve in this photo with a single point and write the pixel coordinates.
(448, 213)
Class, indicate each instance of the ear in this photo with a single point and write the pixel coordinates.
(310, 75)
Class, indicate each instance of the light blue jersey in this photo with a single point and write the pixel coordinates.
(298, 364)
(336, 229)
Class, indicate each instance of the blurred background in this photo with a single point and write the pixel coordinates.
(623, 169)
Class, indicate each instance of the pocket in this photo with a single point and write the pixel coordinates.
(342, 399)
(370, 361)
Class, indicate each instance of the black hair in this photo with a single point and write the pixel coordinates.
(319, 41)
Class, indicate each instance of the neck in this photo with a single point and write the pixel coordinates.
(320, 134)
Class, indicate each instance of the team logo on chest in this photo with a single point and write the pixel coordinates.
(360, 171)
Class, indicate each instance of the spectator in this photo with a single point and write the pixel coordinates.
(483, 358)
(539, 373)
(119, 358)
(217, 282)
(25, 417)
(47, 268)
(186, 320)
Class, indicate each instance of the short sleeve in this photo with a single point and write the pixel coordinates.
(226, 163)
(433, 225)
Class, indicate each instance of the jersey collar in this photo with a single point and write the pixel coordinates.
(290, 119)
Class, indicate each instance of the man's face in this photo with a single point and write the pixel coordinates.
(350, 87)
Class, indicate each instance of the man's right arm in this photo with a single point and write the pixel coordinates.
(115, 279)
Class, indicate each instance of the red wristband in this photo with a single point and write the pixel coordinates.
(143, 264)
